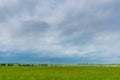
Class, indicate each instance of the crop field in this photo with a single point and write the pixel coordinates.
(59, 73)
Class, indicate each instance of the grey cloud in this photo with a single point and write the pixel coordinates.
(33, 28)
(66, 29)
(11, 10)
(90, 20)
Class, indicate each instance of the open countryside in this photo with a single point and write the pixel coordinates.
(60, 72)
(59, 39)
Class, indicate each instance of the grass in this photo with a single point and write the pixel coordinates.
(59, 73)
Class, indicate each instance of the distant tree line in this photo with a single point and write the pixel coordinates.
(24, 65)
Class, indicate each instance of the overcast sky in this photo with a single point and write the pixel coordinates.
(60, 31)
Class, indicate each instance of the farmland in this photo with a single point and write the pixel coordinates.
(59, 73)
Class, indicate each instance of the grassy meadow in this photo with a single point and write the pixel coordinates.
(59, 73)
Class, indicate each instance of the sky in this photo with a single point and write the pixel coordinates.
(60, 31)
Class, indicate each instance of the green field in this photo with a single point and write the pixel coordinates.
(59, 73)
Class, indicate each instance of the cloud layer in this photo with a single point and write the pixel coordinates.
(50, 31)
